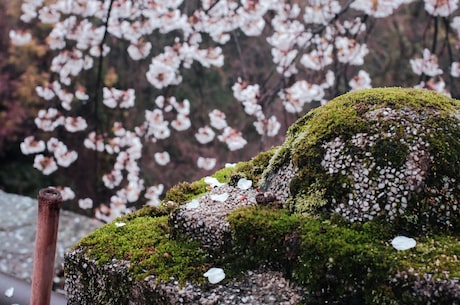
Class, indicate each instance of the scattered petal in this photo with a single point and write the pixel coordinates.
(120, 224)
(213, 182)
(230, 165)
(403, 243)
(9, 292)
(193, 204)
(244, 184)
(219, 197)
(215, 275)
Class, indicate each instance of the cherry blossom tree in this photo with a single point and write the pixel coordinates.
(317, 49)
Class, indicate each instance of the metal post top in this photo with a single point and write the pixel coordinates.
(49, 194)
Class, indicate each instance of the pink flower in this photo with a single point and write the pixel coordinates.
(205, 135)
(455, 69)
(360, 81)
(153, 194)
(66, 192)
(20, 38)
(350, 51)
(48, 15)
(378, 9)
(32, 146)
(44, 164)
(139, 50)
(54, 145)
(248, 95)
(268, 127)
(94, 142)
(232, 138)
(301, 92)
(427, 65)
(162, 158)
(86, 203)
(441, 8)
(321, 12)
(181, 123)
(112, 179)
(318, 59)
(217, 118)
(45, 92)
(48, 120)
(66, 158)
(75, 124)
(81, 94)
(206, 163)
(113, 97)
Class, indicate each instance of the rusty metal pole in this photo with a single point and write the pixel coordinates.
(49, 204)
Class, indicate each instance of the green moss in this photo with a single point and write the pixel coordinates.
(335, 262)
(259, 237)
(144, 242)
(253, 168)
(345, 117)
(389, 151)
(184, 192)
(309, 202)
(444, 147)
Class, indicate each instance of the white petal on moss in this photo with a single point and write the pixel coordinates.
(401, 243)
(244, 184)
(193, 204)
(215, 275)
(219, 197)
(120, 224)
(9, 292)
(230, 165)
(212, 181)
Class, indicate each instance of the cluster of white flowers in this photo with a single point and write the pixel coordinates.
(248, 95)
(48, 164)
(118, 98)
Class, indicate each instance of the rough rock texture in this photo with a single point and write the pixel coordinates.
(112, 284)
(375, 154)
(315, 227)
(204, 219)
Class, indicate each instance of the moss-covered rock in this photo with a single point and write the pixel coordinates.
(381, 153)
(351, 175)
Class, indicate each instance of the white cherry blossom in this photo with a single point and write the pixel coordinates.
(360, 81)
(85, 203)
(32, 146)
(75, 124)
(218, 119)
(441, 8)
(233, 138)
(205, 135)
(427, 65)
(20, 38)
(162, 158)
(47, 165)
(206, 163)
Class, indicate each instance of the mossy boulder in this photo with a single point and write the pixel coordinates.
(389, 153)
(316, 225)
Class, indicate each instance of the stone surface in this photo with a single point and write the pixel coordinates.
(18, 219)
(315, 227)
(380, 153)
